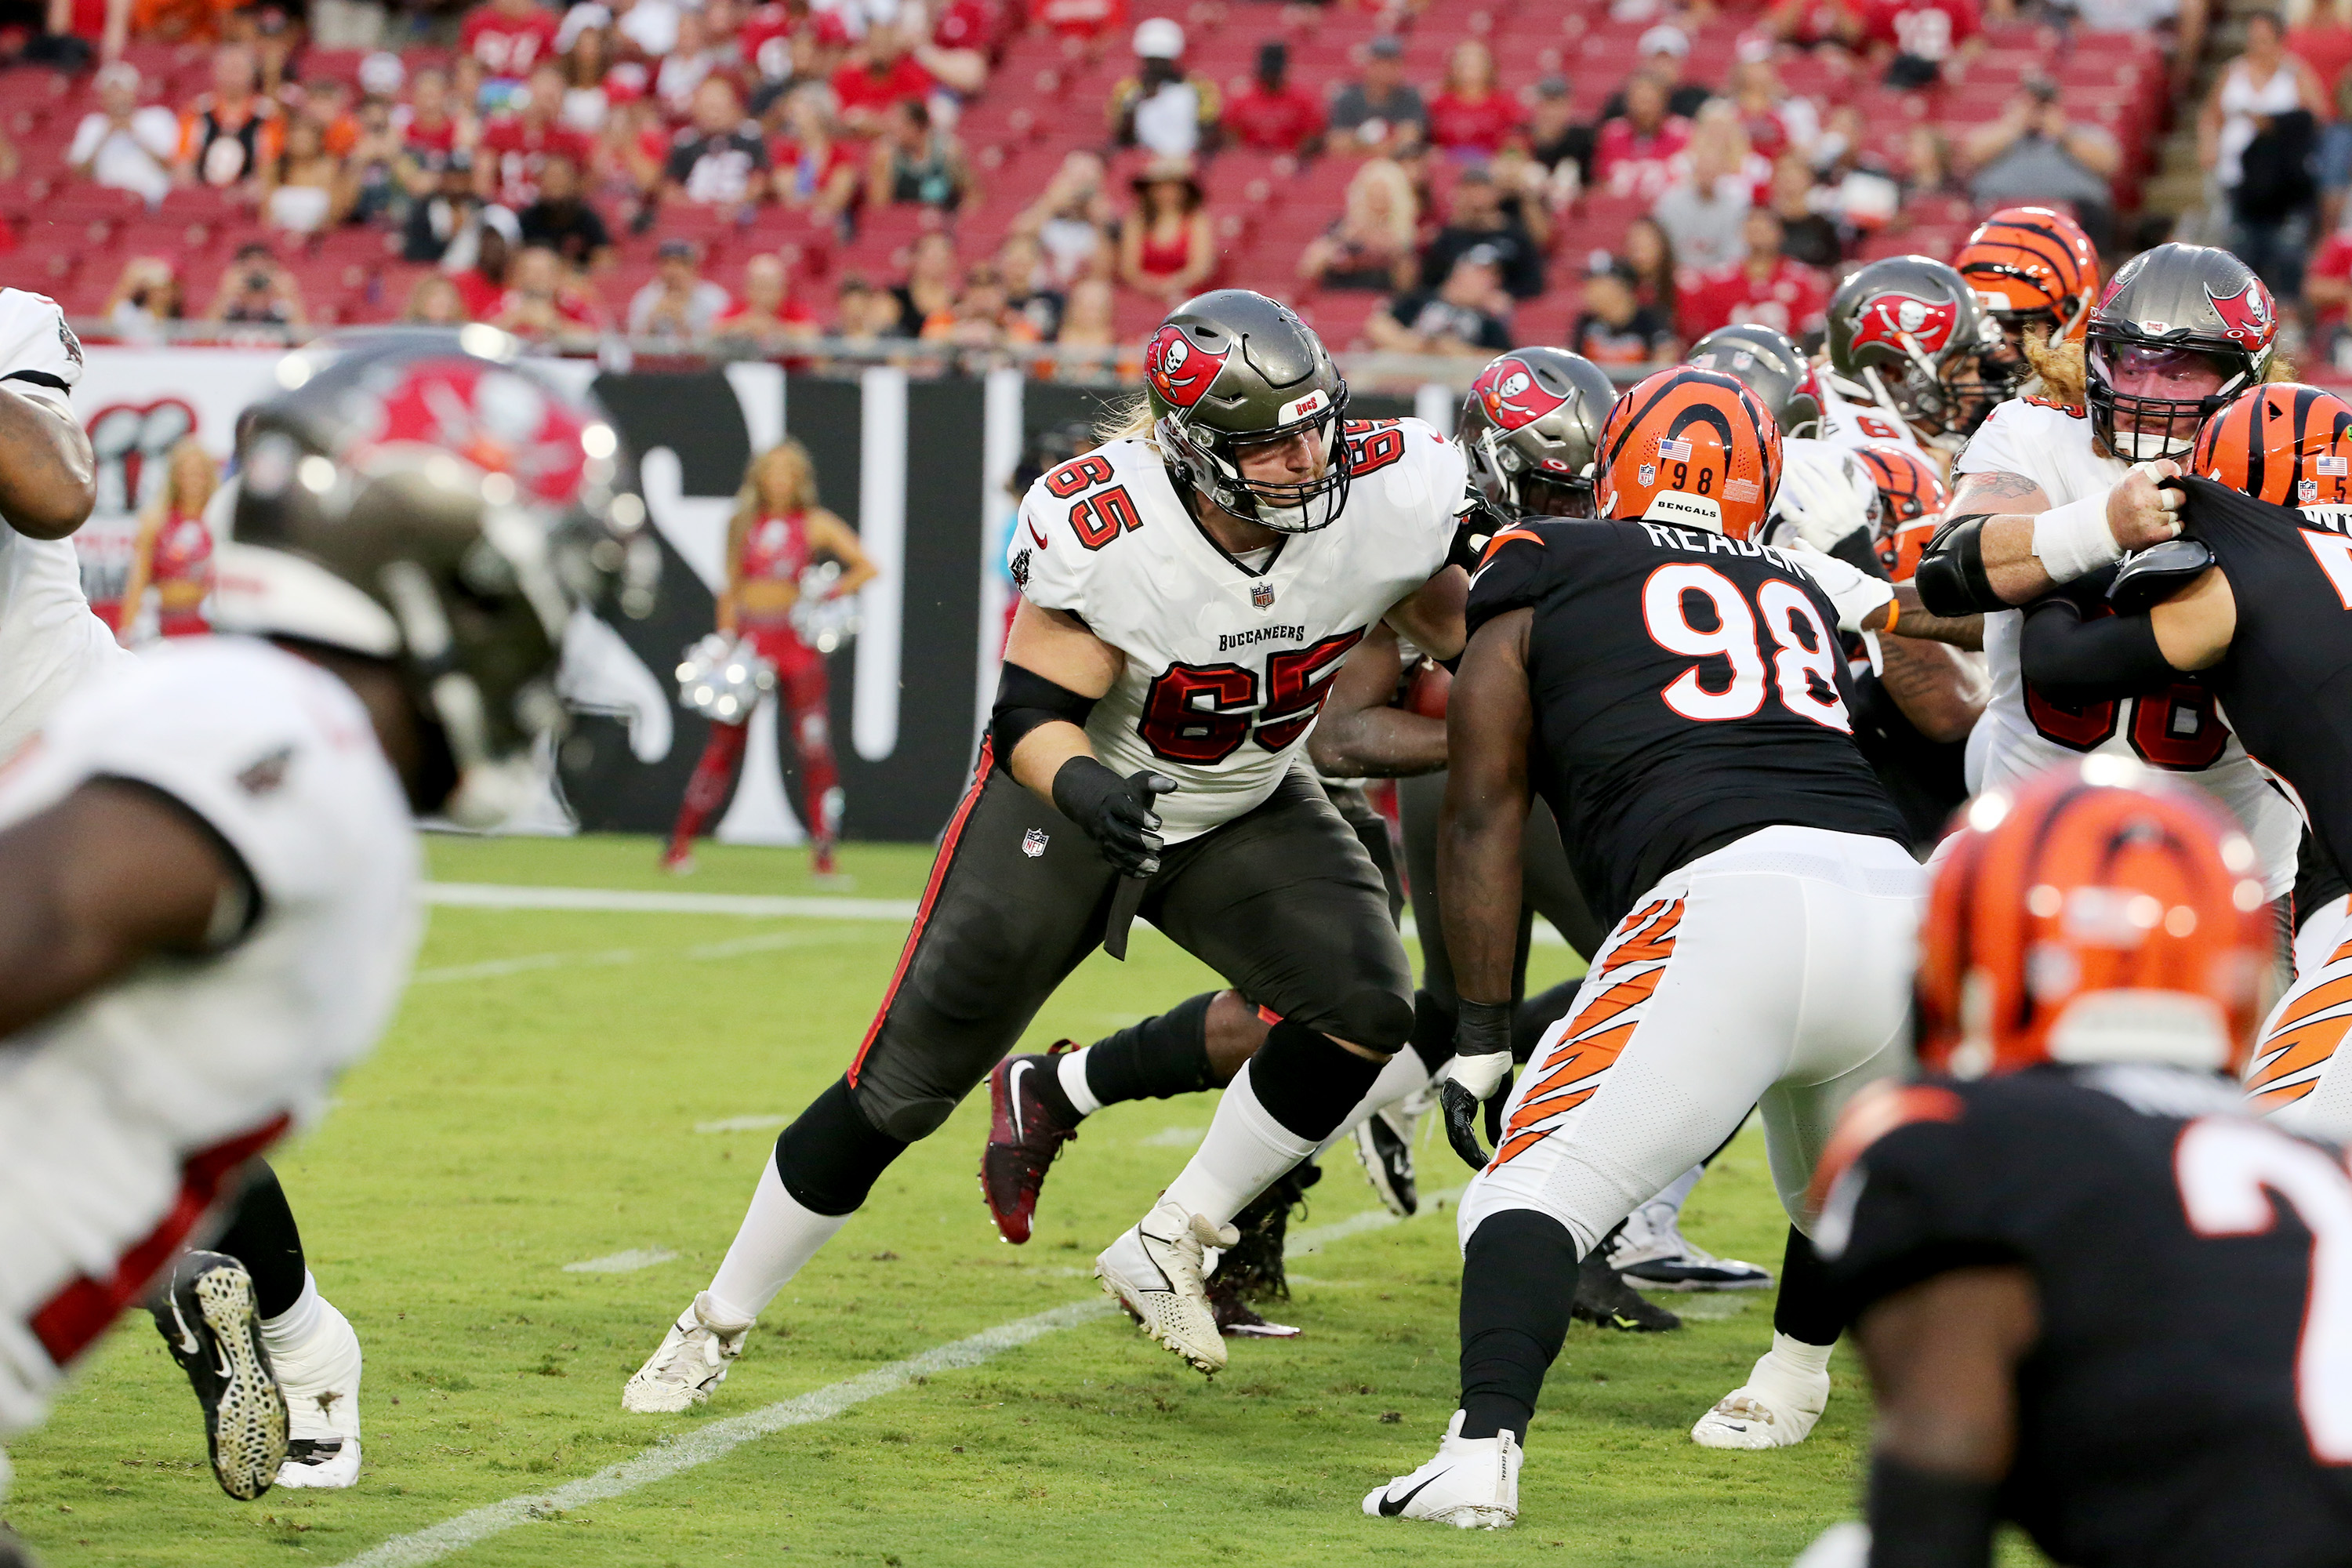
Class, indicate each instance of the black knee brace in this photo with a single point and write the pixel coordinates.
(1306, 1081)
(829, 1159)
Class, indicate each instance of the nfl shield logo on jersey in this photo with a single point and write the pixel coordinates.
(1033, 843)
(1262, 596)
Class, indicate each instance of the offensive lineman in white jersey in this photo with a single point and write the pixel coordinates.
(1912, 359)
(1188, 590)
(49, 640)
(2051, 493)
(211, 868)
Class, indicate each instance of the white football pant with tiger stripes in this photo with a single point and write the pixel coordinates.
(2299, 1076)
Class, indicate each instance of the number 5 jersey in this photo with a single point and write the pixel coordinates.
(1228, 660)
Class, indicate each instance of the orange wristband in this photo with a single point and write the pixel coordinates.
(1894, 614)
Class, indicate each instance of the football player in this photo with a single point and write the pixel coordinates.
(2037, 274)
(211, 869)
(2256, 600)
(2093, 1295)
(1912, 359)
(51, 642)
(1677, 692)
(1824, 497)
(1189, 589)
(2054, 489)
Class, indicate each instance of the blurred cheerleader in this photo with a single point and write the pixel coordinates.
(777, 532)
(173, 551)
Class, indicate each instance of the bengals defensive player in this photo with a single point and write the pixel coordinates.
(2035, 270)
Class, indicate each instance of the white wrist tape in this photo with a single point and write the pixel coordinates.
(2075, 539)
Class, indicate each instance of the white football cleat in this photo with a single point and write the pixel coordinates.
(1384, 1148)
(1653, 1253)
(320, 1378)
(1154, 1272)
(693, 1360)
(1775, 1408)
(1473, 1484)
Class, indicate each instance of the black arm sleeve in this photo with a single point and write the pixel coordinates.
(1858, 550)
(1918, 1519)
(2070, 659)
(1026, 700)
(1951, 579)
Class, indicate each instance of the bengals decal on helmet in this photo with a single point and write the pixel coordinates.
(1911, 499)
(1691, 447)
(1179, 369)
(2103, 914)
(2033, 266)
(2284, 443)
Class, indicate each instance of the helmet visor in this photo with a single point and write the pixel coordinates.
(2157, 396)
(1556, 495)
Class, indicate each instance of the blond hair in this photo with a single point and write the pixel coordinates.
(186, 450)
(1384, 174)
(751, 500)
(1129, 421)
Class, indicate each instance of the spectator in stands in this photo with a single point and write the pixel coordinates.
(1615, 327)
(562, 220)
(1029, 290)
(686, 67)
(1166, 247)
(255, 289)
(442, 209)
(1523, 187)
(933, 277)
(632, 150)
(814, 170)
(863, 313)
(1370, 244)
(1774, 117)
(1380, 110)
(767, 319)
(1072, 219)
(1471, 113)
(1929, 164)
(585, 60)
(122, 145)
(305, 190)
(507, 39)
(1476, 221)
(2034, 153)
(1912, 41)
(1089, 23)
(477, 261)
(1658, 274)
(915, 163)
(1830, 26)
(2255, 136)
(679, 302)
(1272, 114)
(433, 302)
(1704, 209)
(146, 300)
(880, 72)
(231, 133)
(466, 89)
(979, 319)
(1091, 320)
(720, 160)
(1662, 56)
(2326, 292)
(373, 164)
(541, 302)
(1460, 316)
(273, 37)
(1805, 234)
(1162, 108)
(1764, 286)
(644, 29)
(2322, 40)
(1558, 141)
(966, 32)
(1633, 154)
(517, 143)
(433, 125)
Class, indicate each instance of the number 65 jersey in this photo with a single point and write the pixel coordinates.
(1227, 661)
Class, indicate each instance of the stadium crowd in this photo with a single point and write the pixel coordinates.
(1418, 175)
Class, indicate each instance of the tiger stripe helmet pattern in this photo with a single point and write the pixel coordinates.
(1911, 499)
(2103, 912)
(2033, 266)
(2284, 443)
(1690, 447)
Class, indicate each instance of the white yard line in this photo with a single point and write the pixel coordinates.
(1314, 1238)
(737, 947)
(627, 1262)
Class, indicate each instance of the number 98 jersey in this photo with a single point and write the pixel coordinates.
(1227, 662)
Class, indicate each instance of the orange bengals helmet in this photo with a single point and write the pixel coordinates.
(1911, 499)
(2284, 443)
(2032, 266)
(2103, 912)
(1691, 447)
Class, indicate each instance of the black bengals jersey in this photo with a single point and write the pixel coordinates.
(1926, 780)
(1687, 689)
(2286, 681)
(2160, 1419)
(2318, 881)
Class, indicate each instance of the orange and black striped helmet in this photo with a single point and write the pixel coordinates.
(2284, 443)
(1911, 499)
(1690, 447)
(2103, 912)
(2032, 266)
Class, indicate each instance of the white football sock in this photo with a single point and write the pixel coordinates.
(779, 1234)
(1073, 1071)
(1404, 1075)
(296, 1323)
(1678, 1191)
(1245, 1151)
(1797, 1356)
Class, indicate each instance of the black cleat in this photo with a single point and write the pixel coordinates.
(1602, 1297)
(1385, 1146)
(205, 1312)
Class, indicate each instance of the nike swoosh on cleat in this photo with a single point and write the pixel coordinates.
(1012, 1092)
(1390, 1508)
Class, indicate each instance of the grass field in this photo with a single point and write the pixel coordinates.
(537, 1104)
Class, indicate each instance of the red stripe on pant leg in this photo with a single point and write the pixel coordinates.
(80, 1311)
(930, 895)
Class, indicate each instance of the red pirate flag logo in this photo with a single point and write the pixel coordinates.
(1890, 318)
(2248, 317)
(1513, 397)
(1179, 370)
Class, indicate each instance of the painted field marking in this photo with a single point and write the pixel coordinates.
(1174, 1138)
(743, 1124)
(735, 947)
(627, 1262)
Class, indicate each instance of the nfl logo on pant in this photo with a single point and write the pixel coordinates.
(1033, 843)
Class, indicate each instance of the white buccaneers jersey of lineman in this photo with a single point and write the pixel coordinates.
(101, 1103)
(1226, 667)
(2051, 444)
(1852, 422)
(49, 640)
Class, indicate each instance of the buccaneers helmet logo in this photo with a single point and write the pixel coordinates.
(2247, 316)
(1514, 399)
(1179, 369)
(1890, 318)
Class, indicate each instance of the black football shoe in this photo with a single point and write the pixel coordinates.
(1602, 1297)
(205, 1312)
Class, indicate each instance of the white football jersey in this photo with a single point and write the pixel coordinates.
(1851, 419)
(1841, 475)
(103, 1104)
(1227, 667)
(2050, 444)
(49, 640)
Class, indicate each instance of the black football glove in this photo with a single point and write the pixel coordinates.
(1115, 812)
(1479, 1075)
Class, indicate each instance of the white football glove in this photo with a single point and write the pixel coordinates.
(1818, 504)
(1854, 591)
